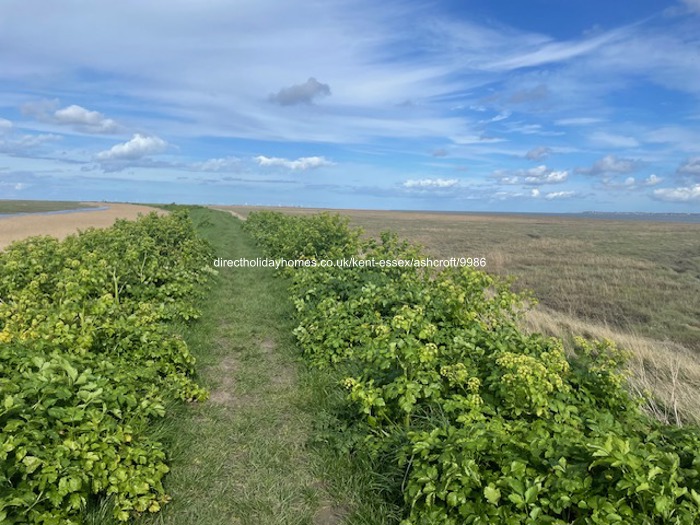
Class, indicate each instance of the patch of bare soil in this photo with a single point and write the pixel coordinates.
(61, 225)
(223, 393)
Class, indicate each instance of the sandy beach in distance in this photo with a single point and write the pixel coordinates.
(63, 224)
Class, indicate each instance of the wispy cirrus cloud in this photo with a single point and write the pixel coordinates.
(426, 184)
(300, 164)
(560, 195)
(24, 144)
(217, 164)
(611, 164)
(613, 140)
(552, 52)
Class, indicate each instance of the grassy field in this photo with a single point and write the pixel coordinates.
(636, 282)
(7, 206)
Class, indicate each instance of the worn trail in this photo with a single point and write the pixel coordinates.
(241, 457)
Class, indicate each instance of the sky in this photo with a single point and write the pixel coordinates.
(464, 105)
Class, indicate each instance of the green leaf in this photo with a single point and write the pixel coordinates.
(492, 494)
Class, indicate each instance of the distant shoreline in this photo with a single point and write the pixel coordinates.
(688, 218)
(56, 212)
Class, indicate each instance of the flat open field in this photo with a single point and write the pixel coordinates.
(61, 225)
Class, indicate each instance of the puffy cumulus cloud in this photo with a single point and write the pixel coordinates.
(302, 163)
(543, 175)
(301, 93)
(539, 153)
(430, 183)
(533, 176)
(610, 164)
(77, 117)
(682, 194)
(652, 180)
(85, 120)
(138, 147)
(560, 195)
(535, 193)
(690, 167)
(631, 183)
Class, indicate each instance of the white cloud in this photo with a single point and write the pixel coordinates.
(682, 194)
(690, 167)
(693, 5)
(509, 180)
(652, 180)
(535, 193)
(301, 93)
(85, 120)
(19, 144)
(611, 164)
(539, 153)
(430, 183)
(77, 117)
(560, 195)
(139, 146)
(5, 125)
(464, 140)
(302, 163)
(533, 176)
(501, 116)
(556, 52)
(221, 164)
(613, 140)
(578, 121)
(543, 175)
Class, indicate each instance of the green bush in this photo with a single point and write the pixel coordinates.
(489, 424)
(88, 359)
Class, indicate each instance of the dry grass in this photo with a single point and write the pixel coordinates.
(665, 374)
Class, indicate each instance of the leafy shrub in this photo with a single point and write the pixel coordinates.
(489, 424)
(88, 359)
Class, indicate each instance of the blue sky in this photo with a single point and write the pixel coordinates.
(477, 105)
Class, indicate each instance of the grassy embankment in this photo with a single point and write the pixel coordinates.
(12, 206)
(253, 454)
(635, 282)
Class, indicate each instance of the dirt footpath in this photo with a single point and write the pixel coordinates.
(61, 225)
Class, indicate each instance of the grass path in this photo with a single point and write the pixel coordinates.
(241, 457)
